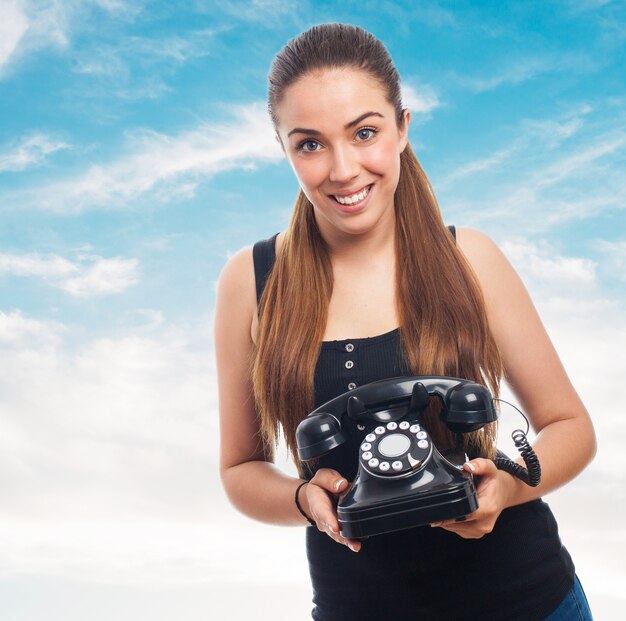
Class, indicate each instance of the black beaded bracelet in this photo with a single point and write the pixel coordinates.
(308, 519)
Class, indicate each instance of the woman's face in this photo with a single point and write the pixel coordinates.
(341, 137)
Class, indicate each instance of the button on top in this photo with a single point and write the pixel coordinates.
(349, 347)
(349, 364)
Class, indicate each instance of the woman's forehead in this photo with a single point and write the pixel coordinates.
(331, 96)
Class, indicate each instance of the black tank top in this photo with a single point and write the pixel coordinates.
(518, 572)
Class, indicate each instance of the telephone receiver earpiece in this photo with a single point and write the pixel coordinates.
(468, 407)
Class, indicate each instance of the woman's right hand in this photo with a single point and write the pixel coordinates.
(321, 496)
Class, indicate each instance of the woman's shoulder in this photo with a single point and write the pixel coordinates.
(484, 256)
(475, 243)
(237, 286)
(236, 293)
(239, 269)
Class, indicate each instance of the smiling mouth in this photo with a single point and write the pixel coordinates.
(353, 198)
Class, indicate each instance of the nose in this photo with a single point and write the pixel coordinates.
(344, 166)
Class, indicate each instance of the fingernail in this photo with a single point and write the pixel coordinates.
(351, 546)
(471, 466)
(339, 483)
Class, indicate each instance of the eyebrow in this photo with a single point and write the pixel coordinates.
(315, 132)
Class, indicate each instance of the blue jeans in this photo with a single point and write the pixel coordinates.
(574, 607)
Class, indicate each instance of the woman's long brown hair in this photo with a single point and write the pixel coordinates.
(443, 322)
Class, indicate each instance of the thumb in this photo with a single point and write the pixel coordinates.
(330, 480)
(480, 466)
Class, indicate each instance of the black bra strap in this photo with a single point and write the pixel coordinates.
(264, 255)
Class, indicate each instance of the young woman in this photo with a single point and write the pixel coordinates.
(368, 283)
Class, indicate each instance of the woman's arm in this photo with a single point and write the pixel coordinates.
(251, 481)
(565, 441)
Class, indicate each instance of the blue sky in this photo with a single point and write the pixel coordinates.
(136, 156)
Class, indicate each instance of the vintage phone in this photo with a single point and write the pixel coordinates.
(403, 480)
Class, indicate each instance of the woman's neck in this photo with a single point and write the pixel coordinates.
(360, 248)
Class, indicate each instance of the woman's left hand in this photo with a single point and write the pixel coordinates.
(493, 492)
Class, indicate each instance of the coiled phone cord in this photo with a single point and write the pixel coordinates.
(531, 475)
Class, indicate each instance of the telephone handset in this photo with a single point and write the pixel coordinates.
(403, 480)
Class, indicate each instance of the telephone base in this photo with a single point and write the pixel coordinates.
(362, 520)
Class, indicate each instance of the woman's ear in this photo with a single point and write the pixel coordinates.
(404, 130)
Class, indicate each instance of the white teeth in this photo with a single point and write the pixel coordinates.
(355, 198)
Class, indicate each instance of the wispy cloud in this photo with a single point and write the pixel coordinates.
(549, 172)
(160, 166)
(32, 150)
(480, 165)
(577, 7)
(549, 133)
(265, 11)
(29, 26)
(516, 71)
(136, 67)
(87, 277)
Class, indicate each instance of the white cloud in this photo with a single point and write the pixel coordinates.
(30, 151)
(88, 276)
(161, 166)
(615, 253)
(117, 427)
(541, 265)
(13, 25)
(52, 266)
(17, 329)
(588, 329)
(103, 277)
(419, 100)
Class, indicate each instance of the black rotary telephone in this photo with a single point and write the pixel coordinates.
(403, 480)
